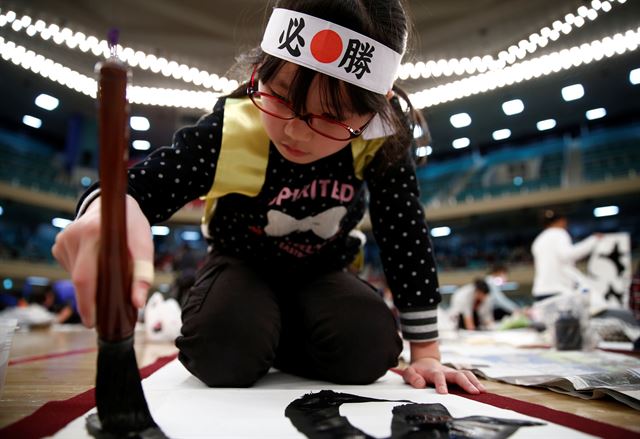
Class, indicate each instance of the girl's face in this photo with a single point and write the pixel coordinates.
(293, 138)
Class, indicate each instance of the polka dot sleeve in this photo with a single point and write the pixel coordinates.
(402, 234)
(172, 176)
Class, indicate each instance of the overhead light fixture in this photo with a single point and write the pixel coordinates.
(546, 124)
(1, 210)
(139, 123)
(60, 223)
(141, 145)
(160, 230)
(423, 151)
(47, 102)
(460, 120)
(502, 134)
(190, 235)
(572, 92)
(599, 212)
(31, 121)
(634, 76)
(512, 107)
(595, 113)
(439, 232)
(460, 143)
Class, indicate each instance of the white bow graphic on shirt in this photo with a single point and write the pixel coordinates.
(325, 224)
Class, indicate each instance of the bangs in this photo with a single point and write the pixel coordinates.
(337, 97)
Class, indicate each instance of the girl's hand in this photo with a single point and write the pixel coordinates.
(426, 369)
(430, 370)
(76, 249)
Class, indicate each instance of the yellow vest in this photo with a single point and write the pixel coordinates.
(244, 154)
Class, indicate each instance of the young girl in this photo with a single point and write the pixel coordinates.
(285, 164)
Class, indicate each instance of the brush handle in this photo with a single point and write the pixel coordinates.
(115, 314)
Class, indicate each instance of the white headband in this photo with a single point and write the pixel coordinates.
(331, 49)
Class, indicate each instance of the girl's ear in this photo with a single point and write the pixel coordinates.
(390, 95)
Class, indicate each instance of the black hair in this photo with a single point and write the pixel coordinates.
(481, 285)
(385, 21)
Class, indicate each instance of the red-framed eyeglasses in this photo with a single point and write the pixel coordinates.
(282, 109)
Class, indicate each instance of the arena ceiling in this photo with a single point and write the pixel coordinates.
(209, 35)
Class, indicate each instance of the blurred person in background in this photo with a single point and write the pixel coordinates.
(555, 256)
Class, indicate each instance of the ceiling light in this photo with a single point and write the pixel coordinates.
(139, 123)
(460, 143)
(512, 107)
(423, 151)
(141, 145)
(502, 134)
(596, 113)
(634, 76)
(546, 124)
(599, 212)
(438, 232)
(160, 230)
(31, 121)
(47, 102)
(572, 92)
(190, 235)
(1, 210)
(460, 120)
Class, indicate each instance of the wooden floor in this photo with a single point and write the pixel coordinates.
(39, 375)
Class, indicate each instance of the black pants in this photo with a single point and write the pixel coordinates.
(239, 320)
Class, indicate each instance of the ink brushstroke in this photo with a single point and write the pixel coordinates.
(317, 416)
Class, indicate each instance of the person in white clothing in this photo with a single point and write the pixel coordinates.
(471, 306)
(555, 256)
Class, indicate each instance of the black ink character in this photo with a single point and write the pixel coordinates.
(317, 416)
(357, 58)
(613, 294)
(616, 259)
(291, 35)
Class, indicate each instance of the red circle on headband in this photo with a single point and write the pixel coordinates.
(326, 46)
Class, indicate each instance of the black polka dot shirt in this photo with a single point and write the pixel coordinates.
(302, 215)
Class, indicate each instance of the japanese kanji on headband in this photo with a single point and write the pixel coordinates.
(331, 49)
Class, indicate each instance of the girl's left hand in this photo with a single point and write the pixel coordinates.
(430, 370)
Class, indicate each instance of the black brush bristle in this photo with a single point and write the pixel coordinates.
(122, 408)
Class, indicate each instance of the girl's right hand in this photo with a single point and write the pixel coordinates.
(76, 249)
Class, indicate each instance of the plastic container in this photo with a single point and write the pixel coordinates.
(7, 328)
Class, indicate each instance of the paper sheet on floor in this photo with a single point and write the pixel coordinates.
(185, 408)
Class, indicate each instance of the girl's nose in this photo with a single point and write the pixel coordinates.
(298, 129)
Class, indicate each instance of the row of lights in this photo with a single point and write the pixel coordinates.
(50, 103)
(598, 212)
(47, 68)
(555, 62)
(100, 48)
(516, 106)
(169, 68)
(515, 52)
(185, 235)
(523, 71)
(529, 69)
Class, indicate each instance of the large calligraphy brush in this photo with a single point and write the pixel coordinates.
(122, 408)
